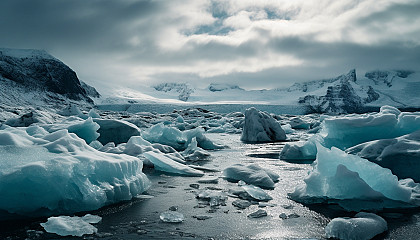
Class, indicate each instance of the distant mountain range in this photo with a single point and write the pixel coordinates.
(35, 78)
(342, 94)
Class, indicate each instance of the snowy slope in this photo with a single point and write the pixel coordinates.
(345, 93)
(34, 78)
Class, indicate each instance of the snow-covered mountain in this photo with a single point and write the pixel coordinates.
(34, 77)
(347, 93)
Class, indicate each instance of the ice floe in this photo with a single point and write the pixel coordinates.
(251, 174)
(72, 226)
(363, 226)
(172, 217)
(165, 164)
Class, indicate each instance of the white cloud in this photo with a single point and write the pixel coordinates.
(143, 40)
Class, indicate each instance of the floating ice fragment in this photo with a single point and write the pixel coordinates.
(194, 153)
(172, 217)
(257, 193)
(215, 198)
(71, 226)
(165, 164)
(363, 226)
(285, 216)
(251, 174)
(201, 217)
(257, 214)
(208, 180)
(241, 204)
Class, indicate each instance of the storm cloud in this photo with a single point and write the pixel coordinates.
(255, 44)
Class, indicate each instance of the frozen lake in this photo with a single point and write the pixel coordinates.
(139, 218)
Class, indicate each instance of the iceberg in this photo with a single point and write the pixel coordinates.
(351, 130)
(44, 173)
(363, 226)
(251, 174)
(401, 154)
(337, 175)
(261, 127)
(85, 129)
(116, 131)
(194, 153)
(165, 164)
(71, 226)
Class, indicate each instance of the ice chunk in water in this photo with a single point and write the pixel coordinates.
(172, 217)
(257, 193)
(261, 127)
(241, 204)
(71, 226)
(337, 175)
(194, 153)
(215, 198)
(363, 226)
(251, 174)
(257, 214)
(165, 164)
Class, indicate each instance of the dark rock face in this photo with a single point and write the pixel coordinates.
(37, 70)
(91, 91)
(340, 98)
(387, 77)
(372, 95)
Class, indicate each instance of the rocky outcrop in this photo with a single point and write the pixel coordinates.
(36, 70)
(339, 98)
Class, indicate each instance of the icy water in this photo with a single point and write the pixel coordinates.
(139, 219)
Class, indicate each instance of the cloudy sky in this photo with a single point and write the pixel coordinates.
(256, 44)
